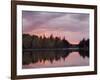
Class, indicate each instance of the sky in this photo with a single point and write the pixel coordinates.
(73, 26)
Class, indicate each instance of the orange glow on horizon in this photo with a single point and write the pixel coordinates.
(67, 35)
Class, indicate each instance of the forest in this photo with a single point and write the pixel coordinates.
(35, 42)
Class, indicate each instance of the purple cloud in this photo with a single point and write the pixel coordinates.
(56, 22)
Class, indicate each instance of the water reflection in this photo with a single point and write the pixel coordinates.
(55, 58)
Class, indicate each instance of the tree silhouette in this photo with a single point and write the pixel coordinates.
(27, 40)
(35, 42)
(84, 44)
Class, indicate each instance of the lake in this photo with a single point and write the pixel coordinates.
(54, 58)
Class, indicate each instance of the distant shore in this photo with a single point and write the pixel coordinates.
(54, 49)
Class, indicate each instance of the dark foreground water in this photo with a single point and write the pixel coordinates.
(54, 58)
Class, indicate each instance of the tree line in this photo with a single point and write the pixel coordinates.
(36, 42)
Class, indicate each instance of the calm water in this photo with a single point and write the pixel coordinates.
(60, 58)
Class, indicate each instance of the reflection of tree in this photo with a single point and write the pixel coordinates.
(26, 58)
(84, 53)
(53, 55)
(42, 56)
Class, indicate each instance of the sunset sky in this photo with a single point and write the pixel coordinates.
(73, 26)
